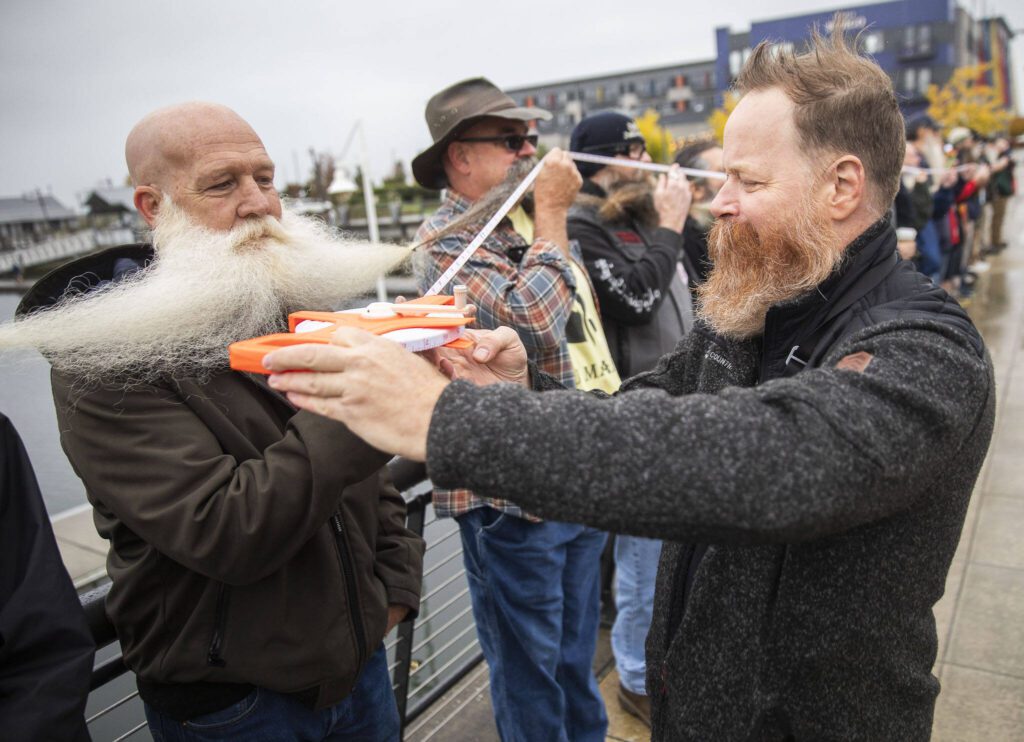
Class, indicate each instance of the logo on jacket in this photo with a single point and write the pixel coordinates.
(719, 359)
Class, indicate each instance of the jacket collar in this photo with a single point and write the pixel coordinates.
(786, 325)
(83, 274)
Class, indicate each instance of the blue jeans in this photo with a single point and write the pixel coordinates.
(930, 252)
(368, 714)
(636, 567)
(536, 593)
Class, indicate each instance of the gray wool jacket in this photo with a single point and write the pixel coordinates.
(829, 505)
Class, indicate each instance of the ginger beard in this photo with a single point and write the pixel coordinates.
(755, 268)
(203, 291)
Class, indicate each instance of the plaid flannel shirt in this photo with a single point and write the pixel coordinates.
(533, 295)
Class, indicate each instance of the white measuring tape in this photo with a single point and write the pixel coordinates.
(934, 170)
(517, 194)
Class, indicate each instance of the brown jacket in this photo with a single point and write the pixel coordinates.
(250, 543)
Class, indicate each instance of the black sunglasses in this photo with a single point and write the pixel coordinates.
(512, 142)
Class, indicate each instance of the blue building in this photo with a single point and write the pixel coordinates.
(918, 42)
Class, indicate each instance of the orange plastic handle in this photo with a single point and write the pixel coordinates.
(247, 355)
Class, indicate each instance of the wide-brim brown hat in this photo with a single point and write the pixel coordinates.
(452, 111)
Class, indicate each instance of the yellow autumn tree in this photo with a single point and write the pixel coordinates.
(965, 100)
(660, 144)
(719, 116)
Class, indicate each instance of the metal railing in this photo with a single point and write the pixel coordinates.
(58, 248)
(427, 656)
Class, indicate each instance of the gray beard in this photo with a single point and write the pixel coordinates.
(203, 291)
(477, 215)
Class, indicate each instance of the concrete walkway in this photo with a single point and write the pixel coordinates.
(84, 552)
(981, 618)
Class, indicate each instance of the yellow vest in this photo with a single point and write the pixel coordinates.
(592, 364)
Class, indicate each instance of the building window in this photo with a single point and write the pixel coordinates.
(909, 39)
(874, 42)
(599, 94)
(924, 79)
(735, 62)
(910, 80)
(924, 39)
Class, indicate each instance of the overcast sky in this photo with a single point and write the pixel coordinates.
(75, 76)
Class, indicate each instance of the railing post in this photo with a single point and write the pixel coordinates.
(417, 510)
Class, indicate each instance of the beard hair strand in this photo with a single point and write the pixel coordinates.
(203, 291)
(754, 269)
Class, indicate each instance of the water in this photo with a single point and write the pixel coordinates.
(25, 398)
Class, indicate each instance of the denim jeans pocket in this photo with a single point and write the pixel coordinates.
(495, 524)
(227, 716)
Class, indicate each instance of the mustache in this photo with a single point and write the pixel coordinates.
(476, 216)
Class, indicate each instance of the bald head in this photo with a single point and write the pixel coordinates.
(162, 141)
(207, 159)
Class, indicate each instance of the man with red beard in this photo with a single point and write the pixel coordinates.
(807, 453)
(258, 553)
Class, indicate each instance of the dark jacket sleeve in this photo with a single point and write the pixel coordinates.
(233, 521)
(399, 562)
(628, 292)
(46, 650)
(789, 460)
(944, 199)
(922, 201)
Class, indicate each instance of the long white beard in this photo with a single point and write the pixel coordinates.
(203, 290)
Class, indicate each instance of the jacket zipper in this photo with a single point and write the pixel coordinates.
(341, 538)
(213, 657)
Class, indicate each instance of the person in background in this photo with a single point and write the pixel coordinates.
(701, 155)
(1002, 188)
(923, 136)
(913, 210)
(630, 232)
(46, 650)
(535, 585)
(965, 262)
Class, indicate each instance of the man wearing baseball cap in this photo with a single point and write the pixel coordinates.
(630, 233)
(535, 585)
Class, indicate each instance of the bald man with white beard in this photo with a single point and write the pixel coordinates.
(258, 553)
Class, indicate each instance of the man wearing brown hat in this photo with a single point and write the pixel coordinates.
(534, 584)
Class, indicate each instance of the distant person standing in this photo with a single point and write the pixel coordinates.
(631, 235)
(703, 155)
(1002, 189)
(535, 585)
(46, 650)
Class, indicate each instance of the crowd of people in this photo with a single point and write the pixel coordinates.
(777, 419)
(953, 196)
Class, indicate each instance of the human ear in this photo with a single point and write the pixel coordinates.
(457, 156)
(147, 202)
(845, 187)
